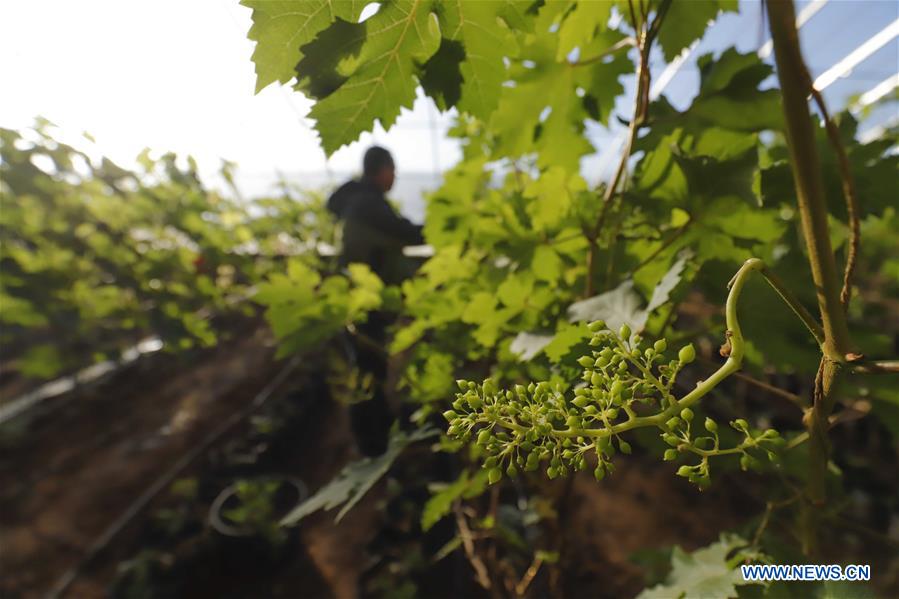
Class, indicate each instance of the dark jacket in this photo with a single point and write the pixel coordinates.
(372, 232)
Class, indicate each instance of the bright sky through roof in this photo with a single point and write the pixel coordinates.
(176, 75)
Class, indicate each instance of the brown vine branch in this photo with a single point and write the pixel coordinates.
(849, 193)
(522, 587)
(876, 367)
(808, 181)
(627, 42)
(477, 563)
(644, 39)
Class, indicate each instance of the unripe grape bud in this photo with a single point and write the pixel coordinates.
(711, 425)
(615, 389)
(580, 401)
(599, 473)
(483, 437)
(596, 379)
(624, 332)
(673, 422)
(512, 471)
(686, 354)
(585, 361)
(552, 472)
(596, 325)
(687, 414)
(475, 402)
(741, 425)
(450, 415)
(660, 345)
(671, 440)
(684, 471)
(494, 475)
(462, 384)
(624, 447)
(670, 454)
(489, 387)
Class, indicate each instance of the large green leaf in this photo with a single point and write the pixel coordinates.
(355, 479)
(486, 41)
(281, 27)
(708, 572)
(440, 503)
(686, 22)
(383, 77)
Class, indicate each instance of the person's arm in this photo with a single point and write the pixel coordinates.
(377, 214)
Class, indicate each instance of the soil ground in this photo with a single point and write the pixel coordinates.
(78, 462)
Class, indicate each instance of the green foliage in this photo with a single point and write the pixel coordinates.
(255, 509)
(305, 309)
(712, 571)
(95, 257)
(688, 21)
(527, 252)
(282, 27)
(355, 480)
(440, 503)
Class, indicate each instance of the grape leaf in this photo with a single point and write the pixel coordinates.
(400, 36)
(687, 21)
(617, 307)
(477, 25)
(707, 572)
(668, 282)
(552, 196)
(564, 340)
(580, 25)
(318, 72)
(355, 479)
(281, 27)
(546, 264)
(441, 75)
(440, 503)
(527, 345)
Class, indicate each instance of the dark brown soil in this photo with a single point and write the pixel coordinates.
(76, 469)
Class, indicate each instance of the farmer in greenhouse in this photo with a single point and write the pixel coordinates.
(373, 234)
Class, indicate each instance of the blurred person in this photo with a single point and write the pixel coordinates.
(373, 234)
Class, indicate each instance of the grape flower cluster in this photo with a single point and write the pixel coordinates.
(626, 384)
